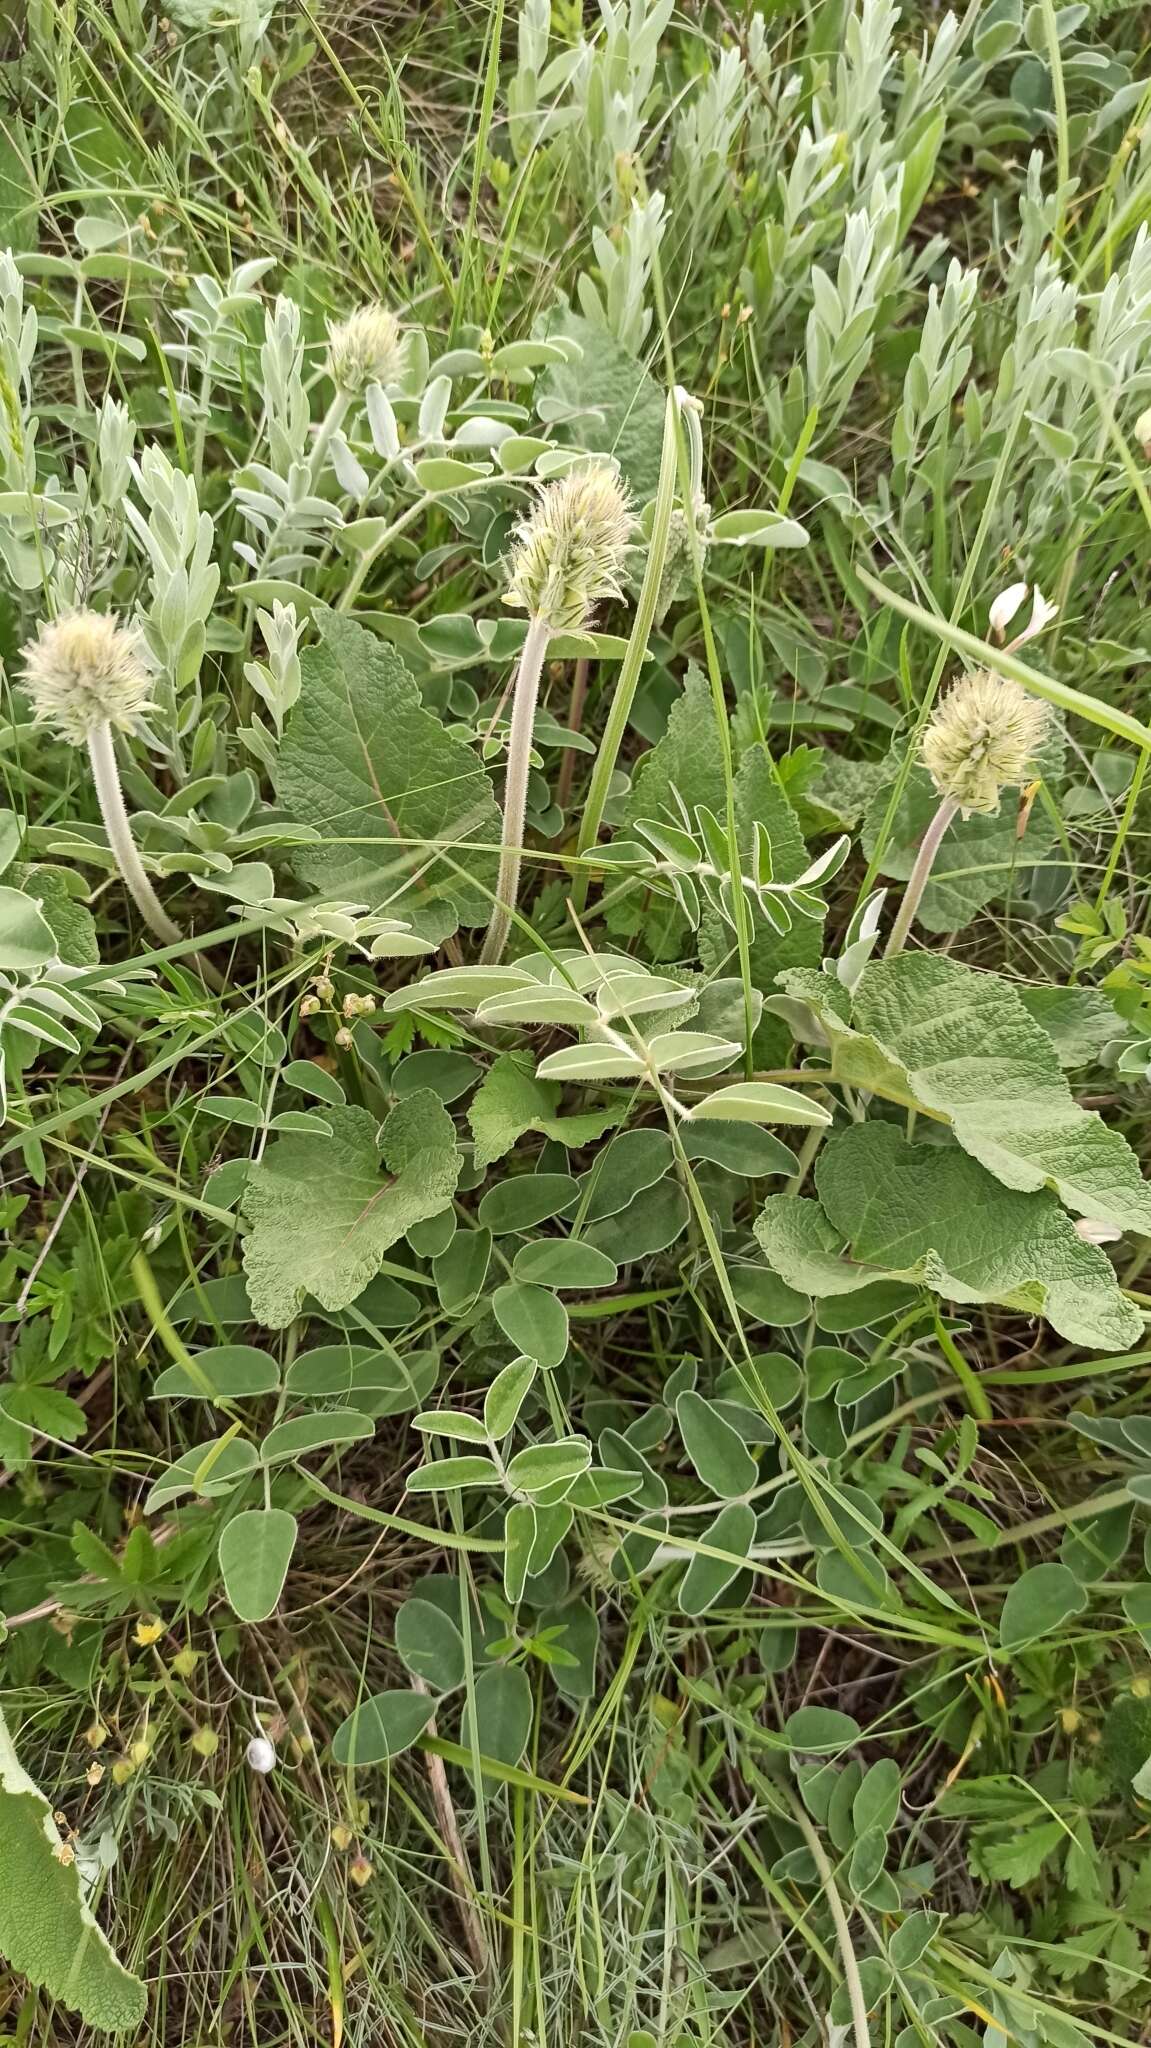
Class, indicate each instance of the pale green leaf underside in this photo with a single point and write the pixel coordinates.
(928, 1213)
(47, 1932)
(402, 804)
(322, 1211)
(961, 1044)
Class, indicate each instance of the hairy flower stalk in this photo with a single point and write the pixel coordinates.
(569, 556)
(980, 740)
(85, 674)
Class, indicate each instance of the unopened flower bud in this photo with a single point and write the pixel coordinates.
(571, 549)
(344, 1038)
(205, 1742)
(261, 1755)
(310, 1006)
(366, 348)
(1093, 1232)
(981, 739)
(1005, 606)
(324, 988)
(82, 670)
(1143, 432)
(360, 1870)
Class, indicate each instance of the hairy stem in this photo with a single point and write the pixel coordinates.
(524, 696)
(929, 846)
(106, 775)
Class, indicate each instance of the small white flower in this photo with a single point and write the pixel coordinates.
(1005, 606)
(261, 1755)
(1042, 613)
(1143, 432)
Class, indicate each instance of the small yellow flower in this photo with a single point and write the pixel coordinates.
(360, 1870)
(1070, 1720)
(981, 739)
(148, 1632)
(82, 670)
(571, 549)
(341, 1837)
(366, 348)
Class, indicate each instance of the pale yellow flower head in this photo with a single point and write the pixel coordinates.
(83, 669)
(981, 739)
(366, 348)
(571, 548)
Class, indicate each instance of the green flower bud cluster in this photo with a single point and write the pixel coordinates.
(981, 739)
(571, 550)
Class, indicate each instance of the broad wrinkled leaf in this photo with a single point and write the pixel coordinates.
(510, 1100)
(47, 1930)
(960, 1042)
(887, 1209)
(365, 763)
(322, 1212)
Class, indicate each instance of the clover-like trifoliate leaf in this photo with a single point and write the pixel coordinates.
(47, 1931)
(929, 1213)
(402, 805)
(322, 1211)
(960, 1044)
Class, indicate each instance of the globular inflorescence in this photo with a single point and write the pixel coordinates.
(981, 739)
(571, 549)
(366, 348)
(86, 669)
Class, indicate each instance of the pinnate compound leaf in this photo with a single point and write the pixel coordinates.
(365, 763)
(322, 1212)
(961, 1044)
(761, 800)
(47, 1932)
(928, 1213)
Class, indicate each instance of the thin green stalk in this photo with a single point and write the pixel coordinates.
(634, 658)
(524, 695)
